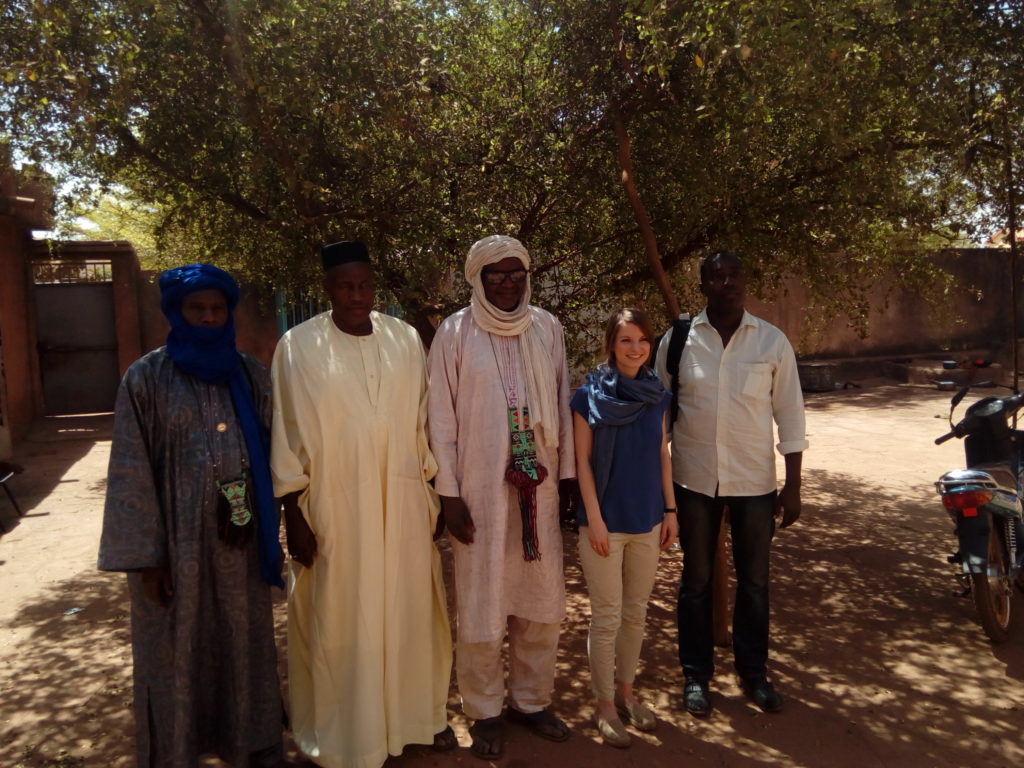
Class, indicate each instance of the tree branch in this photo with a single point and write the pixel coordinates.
(628, 178)
(574, 253)
(233, 59)
(236, 201)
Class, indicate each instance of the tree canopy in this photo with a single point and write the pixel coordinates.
(821, 138)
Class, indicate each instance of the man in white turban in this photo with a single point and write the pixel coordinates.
(501, 431)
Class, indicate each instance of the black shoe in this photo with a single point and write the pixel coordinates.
(695, 698)
(762, 693)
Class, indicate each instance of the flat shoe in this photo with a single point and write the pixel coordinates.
(636, 713)
(488, 738)
(613, 732)
(542, 723)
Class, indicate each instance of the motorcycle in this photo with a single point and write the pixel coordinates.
(984, 502)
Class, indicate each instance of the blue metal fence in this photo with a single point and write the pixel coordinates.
(299, 308)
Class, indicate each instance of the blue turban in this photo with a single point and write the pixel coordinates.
(207, 353)
(177, 283)
(210, 355)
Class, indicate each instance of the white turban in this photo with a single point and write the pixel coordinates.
(541, 383)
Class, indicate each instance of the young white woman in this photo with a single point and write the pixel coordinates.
(628, 515)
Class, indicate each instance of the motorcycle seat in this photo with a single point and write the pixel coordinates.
(1001, 473)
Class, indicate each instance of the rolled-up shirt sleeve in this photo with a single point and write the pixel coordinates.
(788, 403)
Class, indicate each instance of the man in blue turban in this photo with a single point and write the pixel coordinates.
(191, 518)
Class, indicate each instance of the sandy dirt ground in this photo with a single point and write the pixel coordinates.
(882, 663)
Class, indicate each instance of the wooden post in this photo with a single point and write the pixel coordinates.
(1011, 225)
(720, 597)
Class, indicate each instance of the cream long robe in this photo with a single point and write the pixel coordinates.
(470, 439)
(369, 645)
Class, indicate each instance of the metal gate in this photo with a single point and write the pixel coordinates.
(76, 333)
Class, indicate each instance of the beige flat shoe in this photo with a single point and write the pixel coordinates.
(637, 714)
(613, 732)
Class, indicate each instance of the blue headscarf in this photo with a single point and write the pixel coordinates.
(210, 355)
(614, 400)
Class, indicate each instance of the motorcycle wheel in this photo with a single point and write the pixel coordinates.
(992, 590)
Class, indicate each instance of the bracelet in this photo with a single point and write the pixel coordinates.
(670, 511)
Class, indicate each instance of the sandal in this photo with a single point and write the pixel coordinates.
(445, 740)
(613, 732)
(542, 723)
(636, 713)
(488, 738)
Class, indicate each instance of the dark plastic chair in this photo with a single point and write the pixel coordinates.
(6, 474)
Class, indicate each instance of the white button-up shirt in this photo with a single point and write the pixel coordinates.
(728, 398)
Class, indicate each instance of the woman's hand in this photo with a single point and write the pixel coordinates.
(669, 529)
(597, 532)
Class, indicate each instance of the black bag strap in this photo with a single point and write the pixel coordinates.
(680, 332)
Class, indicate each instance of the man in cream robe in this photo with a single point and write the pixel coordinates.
(496, 356)
(369, 645)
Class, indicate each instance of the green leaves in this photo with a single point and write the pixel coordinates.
(809, 135)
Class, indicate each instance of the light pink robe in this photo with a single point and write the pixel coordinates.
(469, 436)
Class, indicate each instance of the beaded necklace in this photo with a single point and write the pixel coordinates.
(233, 493)
(524, 472)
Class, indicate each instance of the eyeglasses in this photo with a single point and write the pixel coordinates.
(497, 276)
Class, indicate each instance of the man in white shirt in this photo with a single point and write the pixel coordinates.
(737, 375)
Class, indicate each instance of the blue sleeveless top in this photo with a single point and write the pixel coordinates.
(633, 501)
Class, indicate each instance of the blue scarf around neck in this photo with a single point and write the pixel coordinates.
(615, 400)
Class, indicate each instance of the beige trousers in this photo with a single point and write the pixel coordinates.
(619, 587)
(532, 647)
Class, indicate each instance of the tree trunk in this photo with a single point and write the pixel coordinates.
(719, 596)
(640, 214)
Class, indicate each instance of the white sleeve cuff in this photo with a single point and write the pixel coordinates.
(792, 446)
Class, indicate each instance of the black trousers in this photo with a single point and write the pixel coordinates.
(752, 525)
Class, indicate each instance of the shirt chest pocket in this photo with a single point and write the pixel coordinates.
(756, 380)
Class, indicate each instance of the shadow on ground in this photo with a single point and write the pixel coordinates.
(880, 660)
(54, 444)
(882, 664)
(66, 689)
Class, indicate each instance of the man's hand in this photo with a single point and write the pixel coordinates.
(301, 539)
(787, 504)
(158, 586)
(457, 518)
(439, 526)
